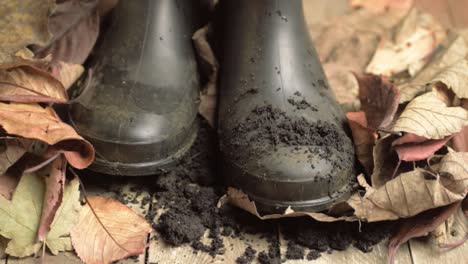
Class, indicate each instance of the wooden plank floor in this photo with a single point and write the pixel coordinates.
(451, 13)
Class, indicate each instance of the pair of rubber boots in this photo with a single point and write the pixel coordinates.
(281, 132)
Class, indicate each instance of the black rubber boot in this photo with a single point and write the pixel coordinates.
(140, 109)
(281, 131)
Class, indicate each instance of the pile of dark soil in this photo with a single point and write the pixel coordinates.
(189, 194)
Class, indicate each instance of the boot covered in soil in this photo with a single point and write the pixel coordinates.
(281, 131)
(139, 109)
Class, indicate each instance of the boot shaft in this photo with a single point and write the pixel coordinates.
(266, 46)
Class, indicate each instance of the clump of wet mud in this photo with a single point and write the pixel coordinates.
(188, 195)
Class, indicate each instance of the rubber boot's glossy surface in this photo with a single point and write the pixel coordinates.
(281, 131)
(140, 109)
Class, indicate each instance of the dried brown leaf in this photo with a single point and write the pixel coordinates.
(23, 23)
(364, 139)
(116, 232)
(12, 149)
(412, 147)
(419, 190)
(455, 49)
(380, 6)
(26, 84)
(209, 67)
(428, 116)
(34, 122)
(418, 226)
(55, 184)
(379, 100)
(385, 162)
(408, 51)
(241, 200)
(455, 77)
(105, 6)
(75, 28)
(66, 73)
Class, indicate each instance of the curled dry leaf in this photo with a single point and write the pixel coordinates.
(418, 226)
(364, 139)
(428, 116)
(380, 6)
(27, 84)
(379, 100)
(385, 162)
(117, 232)
(416, 39)
(58, 238)
(55, 184)
(411, 147)
(241, 200)
(209, 67)
(455, 49)
(22, 23)
(420, 190)
(455, 77)
(35, 122)
(75, 28)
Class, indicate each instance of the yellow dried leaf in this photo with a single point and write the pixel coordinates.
(19, 218)
(428, 116)
(23, 23)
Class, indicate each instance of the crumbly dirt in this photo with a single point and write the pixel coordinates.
(247, 257)
(326, 237)
(188, 195)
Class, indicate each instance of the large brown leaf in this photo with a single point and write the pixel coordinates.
(379, 100)
(115, 230)
(411, 147)
(419, 226)
(22, 23)
(420, 190)
(27, 84)
(455, 50)
(428, 116)
(35, 122)
(410, 48)
(75, 28)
